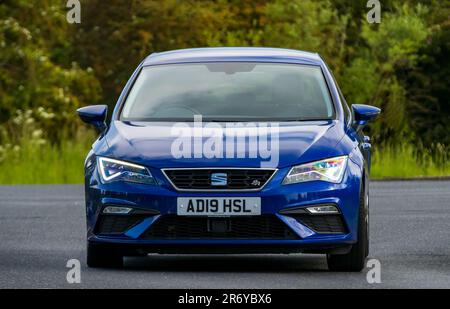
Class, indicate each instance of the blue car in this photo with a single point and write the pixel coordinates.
(229, 150)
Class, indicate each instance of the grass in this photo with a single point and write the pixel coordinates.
(45, 164)
(32, 163)
(405, 161)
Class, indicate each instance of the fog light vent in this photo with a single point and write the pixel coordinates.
(115, 210)
(324, 209)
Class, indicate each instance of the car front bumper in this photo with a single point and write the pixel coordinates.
(275, 198)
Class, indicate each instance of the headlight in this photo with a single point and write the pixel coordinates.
(331, 170)
(115, 170)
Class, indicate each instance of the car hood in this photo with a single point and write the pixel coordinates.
(158, 144)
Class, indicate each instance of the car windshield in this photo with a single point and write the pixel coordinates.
(229, 91)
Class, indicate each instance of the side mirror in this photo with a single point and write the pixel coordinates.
(363, 114)
(95, 115)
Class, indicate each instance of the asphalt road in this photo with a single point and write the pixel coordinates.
(42, 227)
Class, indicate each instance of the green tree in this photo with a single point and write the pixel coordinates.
(429, 83)
(114, 38)
(35, 75)
(308, 25)
(389, 49)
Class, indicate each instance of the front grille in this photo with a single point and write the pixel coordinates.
(329, 224)
(237, 179)
(252, 227)
(117, 224)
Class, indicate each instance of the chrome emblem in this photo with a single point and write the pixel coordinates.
(256, 183)
(219, 179)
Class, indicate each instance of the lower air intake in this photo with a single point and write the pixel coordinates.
(324, 224)
(252, 227)
(117, 224)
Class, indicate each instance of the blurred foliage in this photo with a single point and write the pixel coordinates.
(372, 77)
(35, 161)
(391, 65)
(48, 67)
(36, 75)
(410, 161)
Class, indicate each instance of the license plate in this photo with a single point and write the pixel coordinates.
(219, 206)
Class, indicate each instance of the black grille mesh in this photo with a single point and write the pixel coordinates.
(238, 179)
(117, 224)
(252, 227)
(332, 224)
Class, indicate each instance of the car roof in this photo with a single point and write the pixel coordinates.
(220, 54)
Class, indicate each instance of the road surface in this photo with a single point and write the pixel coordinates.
(42, 227)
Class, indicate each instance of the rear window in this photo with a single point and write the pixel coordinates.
(229, 91)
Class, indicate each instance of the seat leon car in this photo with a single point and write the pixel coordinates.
(226, 151)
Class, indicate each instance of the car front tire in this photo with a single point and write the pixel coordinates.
(356, 258)
(99, 256)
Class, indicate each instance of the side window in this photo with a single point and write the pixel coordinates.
(347, 111)
(346, 108)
